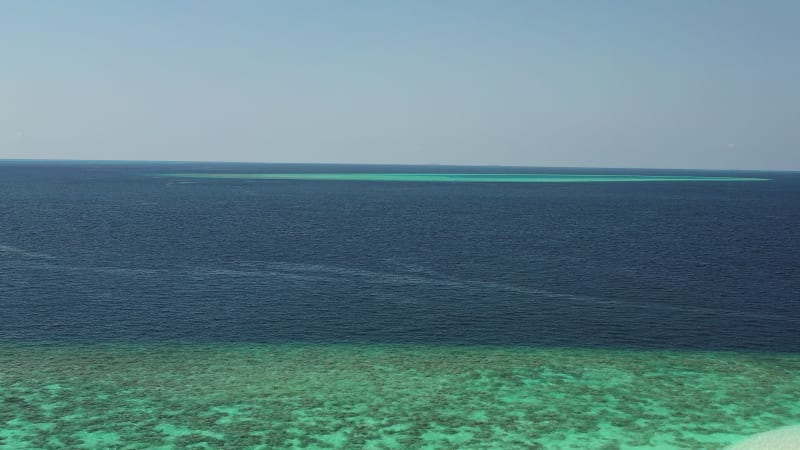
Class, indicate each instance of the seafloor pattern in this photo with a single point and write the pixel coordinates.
(456, 177)
(387, 396)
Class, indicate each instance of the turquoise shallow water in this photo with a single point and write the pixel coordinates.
(387, 396)
(458, 177)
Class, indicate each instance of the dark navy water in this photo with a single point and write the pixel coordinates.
(105, 252)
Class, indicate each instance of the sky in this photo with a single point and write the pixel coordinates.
(707, 84)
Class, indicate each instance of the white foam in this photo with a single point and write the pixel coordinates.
(787, 438)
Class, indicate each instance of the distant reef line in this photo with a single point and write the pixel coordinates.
(456, 177)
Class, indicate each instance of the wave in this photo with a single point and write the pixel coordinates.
(406, 275)
(25, 253)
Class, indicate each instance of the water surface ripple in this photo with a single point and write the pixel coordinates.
(141, 311)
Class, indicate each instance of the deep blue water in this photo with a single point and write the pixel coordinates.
(104, 252)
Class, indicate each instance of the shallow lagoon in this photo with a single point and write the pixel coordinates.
(387, 396)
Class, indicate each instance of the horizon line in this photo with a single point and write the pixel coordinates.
(123, 161)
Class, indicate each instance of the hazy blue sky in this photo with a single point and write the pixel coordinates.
(691, 84)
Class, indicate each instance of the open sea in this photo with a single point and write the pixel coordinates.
(202, 305)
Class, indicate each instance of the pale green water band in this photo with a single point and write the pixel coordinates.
(387, 396)
(455, 177)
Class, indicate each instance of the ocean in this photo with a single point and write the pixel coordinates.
(214, 305)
